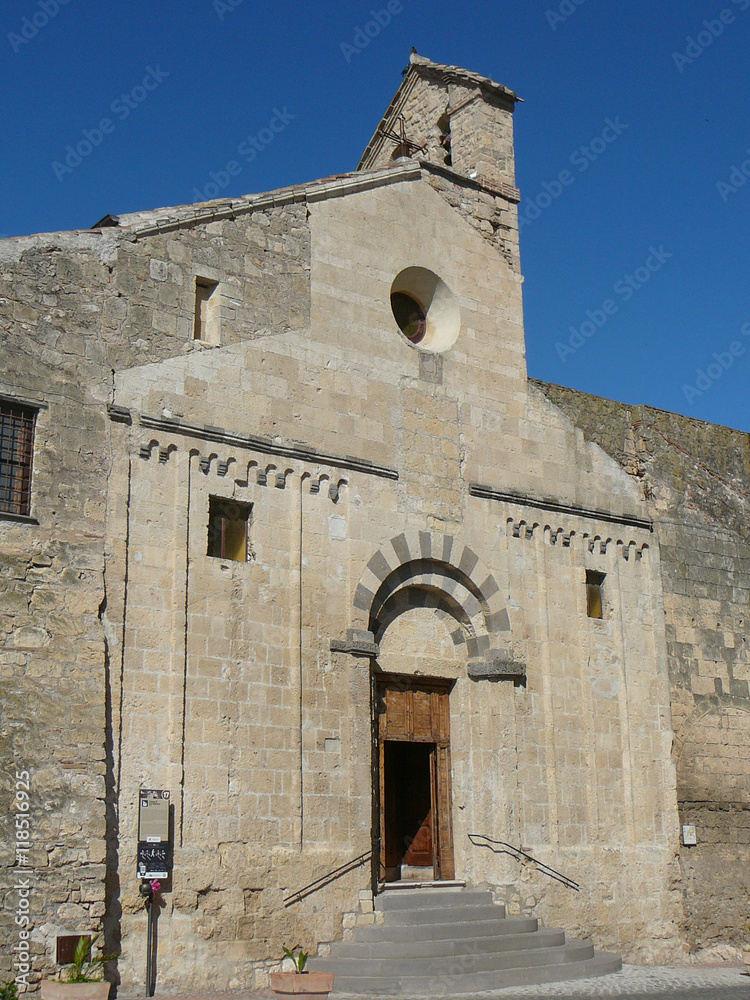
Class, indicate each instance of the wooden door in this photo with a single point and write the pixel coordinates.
(412, 711)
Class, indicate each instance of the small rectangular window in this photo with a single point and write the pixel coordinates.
(66, 947)
(16, 454)
(206, 324)
(594, 601)
(228, 529)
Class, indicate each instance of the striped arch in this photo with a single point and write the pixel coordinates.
(430, 569)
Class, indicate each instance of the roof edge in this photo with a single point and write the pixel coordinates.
(163, 220)
(539, 384)
(456, 74)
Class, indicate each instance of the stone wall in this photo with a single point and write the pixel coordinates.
(75, 309)
(352, 452)
(53, 655)
(259, 260)
(492, 212)
(696, 479)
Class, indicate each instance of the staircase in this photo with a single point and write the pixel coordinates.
(436, 942)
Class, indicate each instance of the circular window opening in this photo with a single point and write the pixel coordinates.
(425, 309)
(410, 316)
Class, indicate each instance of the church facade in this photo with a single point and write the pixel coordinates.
(288, 532)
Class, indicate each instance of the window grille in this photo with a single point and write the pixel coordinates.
(16, 453)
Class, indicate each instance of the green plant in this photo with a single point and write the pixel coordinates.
(85, 967)
(9, 990)
(298, 956)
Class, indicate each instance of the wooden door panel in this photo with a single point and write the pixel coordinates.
(446, 859)
(422, 716)
(397, 714)
(441, 717)
(419, 852)
(414, 710)
(381, 806)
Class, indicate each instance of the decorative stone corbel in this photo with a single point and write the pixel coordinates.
(358, 642)
(495, 665)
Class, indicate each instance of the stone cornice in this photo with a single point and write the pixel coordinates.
(507, 191)
(266, 446)
(559, 507)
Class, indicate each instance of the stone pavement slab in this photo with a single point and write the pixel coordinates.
(721, 982)
(633, 981)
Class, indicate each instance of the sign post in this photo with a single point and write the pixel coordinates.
(154, 861)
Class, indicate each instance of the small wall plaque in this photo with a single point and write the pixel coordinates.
(689, 838)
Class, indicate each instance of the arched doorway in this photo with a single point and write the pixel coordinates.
(446, 609)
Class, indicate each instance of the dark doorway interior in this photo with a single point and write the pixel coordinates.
(409, 779)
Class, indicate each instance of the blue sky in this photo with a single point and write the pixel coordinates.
(630, 148)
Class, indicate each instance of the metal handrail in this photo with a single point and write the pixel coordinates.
(324, 880)
(519, 855)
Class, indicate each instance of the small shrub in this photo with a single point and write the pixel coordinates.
(85, 967)
(298, 956)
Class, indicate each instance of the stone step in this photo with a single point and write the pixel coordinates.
(451, 965)
(430, 899)
(465, 983)
(446, 930)
(453, 946)
(404, 916)
(439, 944)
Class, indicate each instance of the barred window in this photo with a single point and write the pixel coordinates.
(16, 452)
(228, 522)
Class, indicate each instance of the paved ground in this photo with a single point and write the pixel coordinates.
(634, 981)
(722, 982)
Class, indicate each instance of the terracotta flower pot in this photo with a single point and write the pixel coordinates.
(53, 989)
(302, 985)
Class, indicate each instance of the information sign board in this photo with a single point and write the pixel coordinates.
(154, 847)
